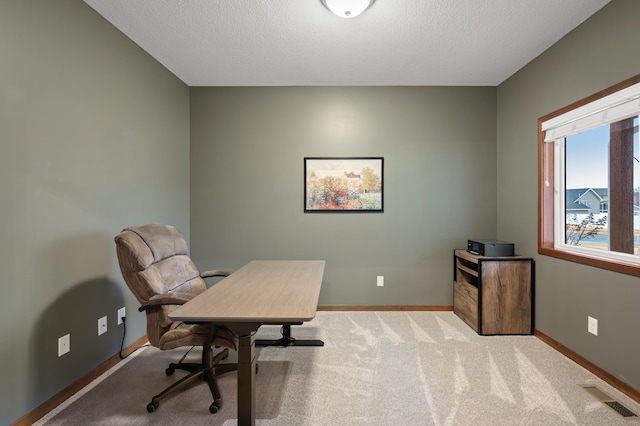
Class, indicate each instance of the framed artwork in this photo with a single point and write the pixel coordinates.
(343, 184)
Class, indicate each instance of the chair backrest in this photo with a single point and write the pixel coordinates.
(154, 260)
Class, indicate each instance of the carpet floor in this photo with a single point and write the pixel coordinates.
(376, 368)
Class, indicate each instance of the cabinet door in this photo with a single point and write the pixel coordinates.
(465, 303)
(506, 297)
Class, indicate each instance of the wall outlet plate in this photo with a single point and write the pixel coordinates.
(380, 281)
(102, 325)
(121, 313)
(64, 344)
(592, 325)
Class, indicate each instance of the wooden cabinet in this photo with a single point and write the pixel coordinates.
(494, 295)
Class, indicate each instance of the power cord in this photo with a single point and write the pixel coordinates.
(185, 355)
(124, 333)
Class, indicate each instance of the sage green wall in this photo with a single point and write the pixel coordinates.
(601, 52)
(94, 136)
(439, 149)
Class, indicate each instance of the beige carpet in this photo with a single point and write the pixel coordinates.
(376, 368)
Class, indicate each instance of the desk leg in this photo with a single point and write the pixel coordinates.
(246, 381)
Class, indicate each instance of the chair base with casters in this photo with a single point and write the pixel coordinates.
(208, 370)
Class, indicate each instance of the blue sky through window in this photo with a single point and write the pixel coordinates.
(587, 159)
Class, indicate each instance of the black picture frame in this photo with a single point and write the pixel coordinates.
(344, 184)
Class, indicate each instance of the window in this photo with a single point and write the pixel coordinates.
(589, 180)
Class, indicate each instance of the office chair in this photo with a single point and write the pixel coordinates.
(155, 265)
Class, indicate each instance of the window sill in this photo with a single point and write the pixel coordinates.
(592, 260)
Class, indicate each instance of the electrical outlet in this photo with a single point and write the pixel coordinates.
(64, 344)
(121, 314)
(380, 281)
(592, 325)
(102, 325)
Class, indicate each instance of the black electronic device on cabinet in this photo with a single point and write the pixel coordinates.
(490, 248)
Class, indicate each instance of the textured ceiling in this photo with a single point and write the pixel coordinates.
(301, 43)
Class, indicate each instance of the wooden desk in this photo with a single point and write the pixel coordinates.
(259, 293)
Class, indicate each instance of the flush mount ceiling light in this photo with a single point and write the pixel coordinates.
(347, 8)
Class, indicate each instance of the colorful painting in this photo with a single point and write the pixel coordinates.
(338, 184)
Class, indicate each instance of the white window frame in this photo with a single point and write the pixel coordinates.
(614, 104)
(560, 213)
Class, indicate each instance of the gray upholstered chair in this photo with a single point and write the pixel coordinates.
(156, 267)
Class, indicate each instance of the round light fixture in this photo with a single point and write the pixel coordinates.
(347, 8)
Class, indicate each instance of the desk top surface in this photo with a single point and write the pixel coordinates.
(261, 292)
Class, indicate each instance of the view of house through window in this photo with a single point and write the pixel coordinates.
(589, 180)
(588, 166)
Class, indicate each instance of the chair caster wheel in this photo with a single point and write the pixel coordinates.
(151, 407)
(169, 371)
(217, 404)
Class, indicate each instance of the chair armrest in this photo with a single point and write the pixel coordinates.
(214, 273)
(167, 299)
